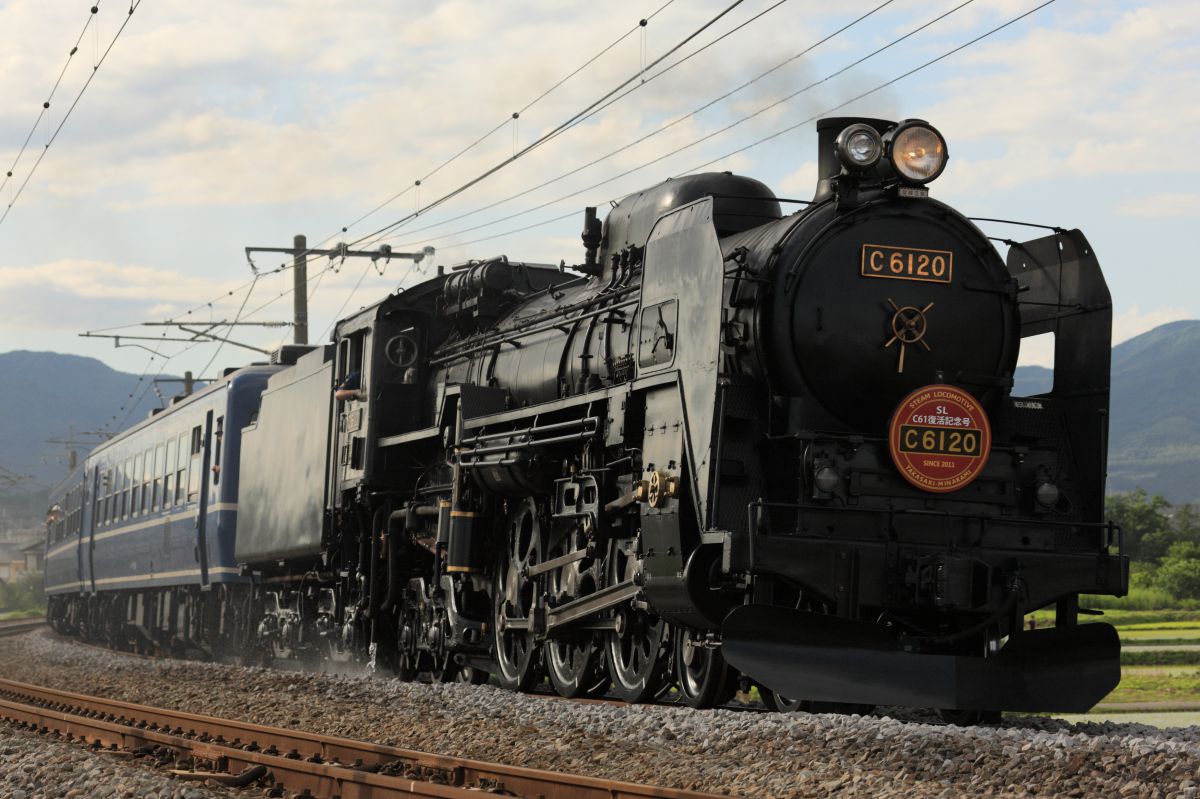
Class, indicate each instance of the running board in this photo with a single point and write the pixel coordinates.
(824, 658)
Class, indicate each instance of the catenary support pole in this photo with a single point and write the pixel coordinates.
(300, 294)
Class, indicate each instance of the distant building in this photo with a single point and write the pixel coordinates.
(35, 556)
(12, 562)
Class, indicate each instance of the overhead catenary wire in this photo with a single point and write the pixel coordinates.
(680, 119)
(695, 142)
(566, 125)
(346, 302)
(416, 184)
(770, 137)
(127, 407)
(744, 148)
(674, 64)
(165, 359)
(741, 149)
(15, 480)
(554, 132)
(640, 25)
(237, 317)
(878, 88)
(441, 166)
(132, 402)
(338, 314)
(343, 229)
(50, 97)
(99, 62)
(382, 232)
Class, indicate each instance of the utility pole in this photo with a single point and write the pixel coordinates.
(75, 439)
(300, 290)
(300, 252)
(189, 382)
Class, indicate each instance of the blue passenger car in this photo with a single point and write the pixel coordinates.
(69, 514)
(154, 507)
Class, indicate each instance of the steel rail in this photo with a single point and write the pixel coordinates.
(18, 626)
(298, 761)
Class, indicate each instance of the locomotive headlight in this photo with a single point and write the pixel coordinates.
(859, 147)
(826, 479)
(1047, 495)
(917, 151)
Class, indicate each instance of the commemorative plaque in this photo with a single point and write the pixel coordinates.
(939, 438)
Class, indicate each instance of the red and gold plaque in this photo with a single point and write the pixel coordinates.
(939, 438)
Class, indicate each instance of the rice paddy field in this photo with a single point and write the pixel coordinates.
(1160, 668)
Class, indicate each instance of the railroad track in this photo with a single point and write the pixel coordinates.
(294, 763)
(18, 626)
(540, 693)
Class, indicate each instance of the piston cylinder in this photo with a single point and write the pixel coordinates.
(461, 550)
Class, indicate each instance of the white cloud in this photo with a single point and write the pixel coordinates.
(1061, 102)
(1167, 204)
(800, 184)
(1134, 322)
(264, 120)
(97, 280)
(1039, 350)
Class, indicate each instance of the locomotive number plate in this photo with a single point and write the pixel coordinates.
(907, 263)
(939, 438)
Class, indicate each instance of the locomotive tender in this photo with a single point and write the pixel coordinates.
(732, 443)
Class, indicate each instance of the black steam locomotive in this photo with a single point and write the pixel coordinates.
(731, 444)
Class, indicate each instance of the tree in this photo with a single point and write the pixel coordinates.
(1143, 519)
(1179, 574)
(1186, 521)
(22, 593)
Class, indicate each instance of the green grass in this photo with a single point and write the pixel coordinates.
(1157, 684)
(1159, 637)
(1165, 657)
(32, 613)
(1140, 597)
(1187, 624)
(23, 594)
(1130, 618)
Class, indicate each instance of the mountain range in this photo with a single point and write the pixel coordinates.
(1154, 436)
(48, 395)
(1154, 432)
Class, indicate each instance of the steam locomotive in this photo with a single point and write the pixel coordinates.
(732, 445)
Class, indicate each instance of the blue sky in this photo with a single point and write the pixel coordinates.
(213, 126)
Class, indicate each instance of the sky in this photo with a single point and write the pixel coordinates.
(214, 126)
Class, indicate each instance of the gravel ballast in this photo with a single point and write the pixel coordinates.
(722, 751)
(36, 766)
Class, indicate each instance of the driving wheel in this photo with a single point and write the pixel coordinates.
(636, 647)
(513, 599)
(701, 673)
(573, 655)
